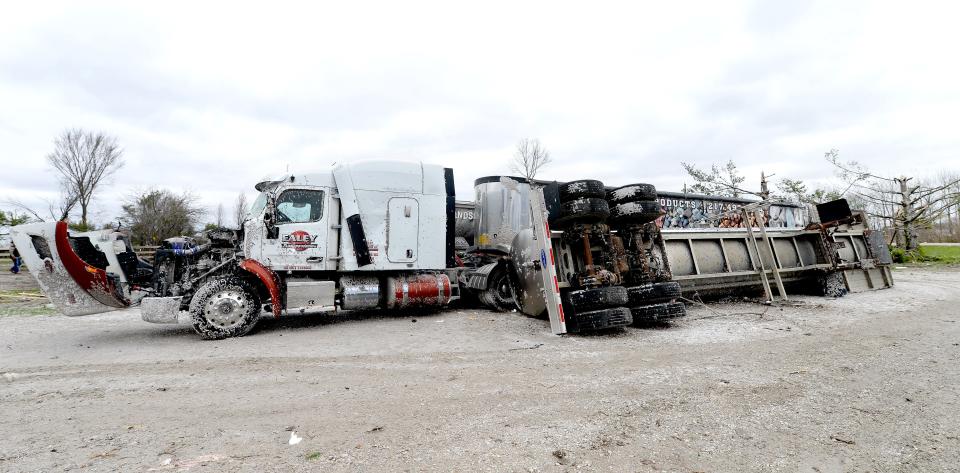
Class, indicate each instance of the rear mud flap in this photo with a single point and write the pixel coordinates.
(72, 285)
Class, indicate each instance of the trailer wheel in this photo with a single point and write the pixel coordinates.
(653, 293)
(224, 307)
(632, 193)
(585, 210)
(602, 319)
(582, 188)
(649, 314)
(635, 212)
(598, 298)
(498, 295)
(833, 285)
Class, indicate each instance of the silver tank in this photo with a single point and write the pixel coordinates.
(530, 297)
(503, 209)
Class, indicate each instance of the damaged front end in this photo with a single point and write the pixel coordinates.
(82, 273)
(91, 272)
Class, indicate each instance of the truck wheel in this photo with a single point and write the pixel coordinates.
(582, 188)
(648, 314)
(498, 295)
(635, 212)
(653, 293)
(833, 285)
(615, 317)
(632, 193)
(223, 308)
(584, 210)
(598, 298)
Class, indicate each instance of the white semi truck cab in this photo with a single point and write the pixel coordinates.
(372, 235)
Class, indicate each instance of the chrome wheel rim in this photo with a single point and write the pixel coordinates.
(225, 309)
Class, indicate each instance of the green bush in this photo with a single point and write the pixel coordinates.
(899, 255)
(918, 255)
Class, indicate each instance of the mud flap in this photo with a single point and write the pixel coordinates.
(72, 285)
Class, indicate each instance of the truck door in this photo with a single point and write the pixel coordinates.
(403, 231)
(302, 222)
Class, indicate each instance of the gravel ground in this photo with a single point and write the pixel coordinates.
(868, 382)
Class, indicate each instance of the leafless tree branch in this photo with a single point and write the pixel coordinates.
(529, 158)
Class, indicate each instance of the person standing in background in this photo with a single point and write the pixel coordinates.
(15, 256)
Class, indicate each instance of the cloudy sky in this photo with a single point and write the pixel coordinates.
(210, 97)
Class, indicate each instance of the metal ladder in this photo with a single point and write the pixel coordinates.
(758, 215)
(548, 269)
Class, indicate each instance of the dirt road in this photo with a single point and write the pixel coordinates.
(869, 382)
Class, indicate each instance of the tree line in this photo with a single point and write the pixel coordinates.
(909, 209)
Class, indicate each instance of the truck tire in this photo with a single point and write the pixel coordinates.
(584, 210)
(632, 193)
(645, 315)
(642, 211)
(498, 295)
(653, 293)
(602, 319)
(833, 285)
(598, 298)
(581, 189)
(224, 307)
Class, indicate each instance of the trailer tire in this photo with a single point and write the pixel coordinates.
(499, 293)
(632, 193)
(648, 314)
(833, 285)
(598, 298)
(615, 317)
(581, 189)
(653, 293)
(637, 212)
(585, 210)
(224, 307)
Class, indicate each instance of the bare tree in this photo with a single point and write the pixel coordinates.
(83, 161)
(719, 181)
(219, 215)
(240, 209)
(796, 190)
(529, 158)
(155, 215)
(905, 202)
(58, 209)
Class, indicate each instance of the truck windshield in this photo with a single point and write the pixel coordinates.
(258, 205)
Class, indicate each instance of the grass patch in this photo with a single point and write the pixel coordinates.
(20, 293)
(941, 254)
(314, 456)
(24, 302)
(8, 310)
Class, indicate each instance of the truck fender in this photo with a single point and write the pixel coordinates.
(269, 280)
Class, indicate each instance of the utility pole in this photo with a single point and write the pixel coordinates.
(764, 190)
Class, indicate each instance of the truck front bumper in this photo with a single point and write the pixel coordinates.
(160, 310)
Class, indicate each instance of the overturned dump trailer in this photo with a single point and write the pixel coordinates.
(390, 235)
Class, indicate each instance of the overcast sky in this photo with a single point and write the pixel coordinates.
(210, 97)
